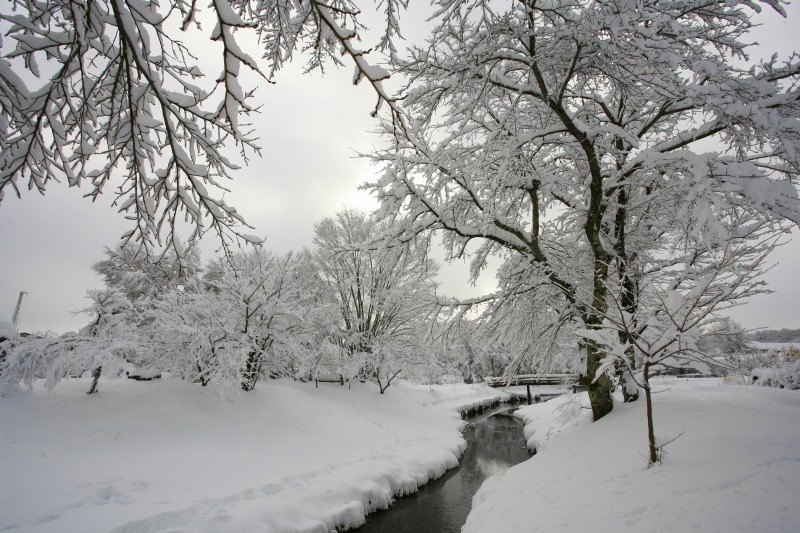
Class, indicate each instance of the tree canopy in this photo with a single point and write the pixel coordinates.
(591, 144)
(626, 159)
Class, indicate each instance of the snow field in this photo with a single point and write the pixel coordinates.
(166, 455)
(734, 466)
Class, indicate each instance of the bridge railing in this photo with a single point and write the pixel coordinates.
(532, 379)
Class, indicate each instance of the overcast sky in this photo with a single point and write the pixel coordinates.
(310, 128)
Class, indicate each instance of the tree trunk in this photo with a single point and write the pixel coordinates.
(630, 391)
(202, 378)
(600, 389)
(628, 288)
(651, 436)
(96, 375)
(388, 380)
(252, 367)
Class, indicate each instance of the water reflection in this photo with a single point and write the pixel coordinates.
(494, 444)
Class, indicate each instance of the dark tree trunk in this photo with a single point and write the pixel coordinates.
(651, 436)
(202, 377)
(252, 367)
(600, 389)
(628, 288)
(389, 379)
(96, 375)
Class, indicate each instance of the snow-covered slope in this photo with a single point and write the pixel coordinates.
(735, 466)
(169, 456)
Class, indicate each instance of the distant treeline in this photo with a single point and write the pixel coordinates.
(776, 335)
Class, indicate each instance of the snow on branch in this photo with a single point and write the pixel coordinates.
(108, 95)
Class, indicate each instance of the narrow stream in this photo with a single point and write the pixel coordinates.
(494, 444)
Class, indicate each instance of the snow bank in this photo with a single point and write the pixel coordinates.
(165, 455)
(465, 399)
(544, 422)
(735, 467)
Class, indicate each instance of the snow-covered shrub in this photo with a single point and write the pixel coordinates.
(791, 354)
(752, 363)
(111, 341)
(55, 358)
(785, 376)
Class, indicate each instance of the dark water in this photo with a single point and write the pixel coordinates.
(494, 444)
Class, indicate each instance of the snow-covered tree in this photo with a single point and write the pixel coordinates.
(106, 344)
(385, 294)
(521, 328)
(727, 337)
(112, 96)
(682, 298)
(257, 316)
(118, 335)
(142, 281)
(129, 269)
(570, 137)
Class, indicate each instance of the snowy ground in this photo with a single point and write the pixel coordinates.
(735, 466)
(169, 456)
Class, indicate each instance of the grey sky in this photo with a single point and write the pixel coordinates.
(310, 128)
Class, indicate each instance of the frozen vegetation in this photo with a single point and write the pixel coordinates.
(786, 376)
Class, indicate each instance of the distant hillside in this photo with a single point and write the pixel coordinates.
(776, 335)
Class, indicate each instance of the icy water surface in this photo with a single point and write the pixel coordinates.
(494, 444)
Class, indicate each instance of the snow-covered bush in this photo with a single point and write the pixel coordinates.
(111, 342)
(55, 358)
(773, 368)
(785, 376)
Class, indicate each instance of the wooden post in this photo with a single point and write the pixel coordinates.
(528, 387)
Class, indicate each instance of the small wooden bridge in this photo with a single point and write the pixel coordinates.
(532, 379)
(535, 379)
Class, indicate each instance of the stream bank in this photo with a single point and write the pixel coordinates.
(495, 442)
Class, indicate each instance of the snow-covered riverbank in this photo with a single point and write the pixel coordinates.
(169, 456)
(166, 456)
(734, 466)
